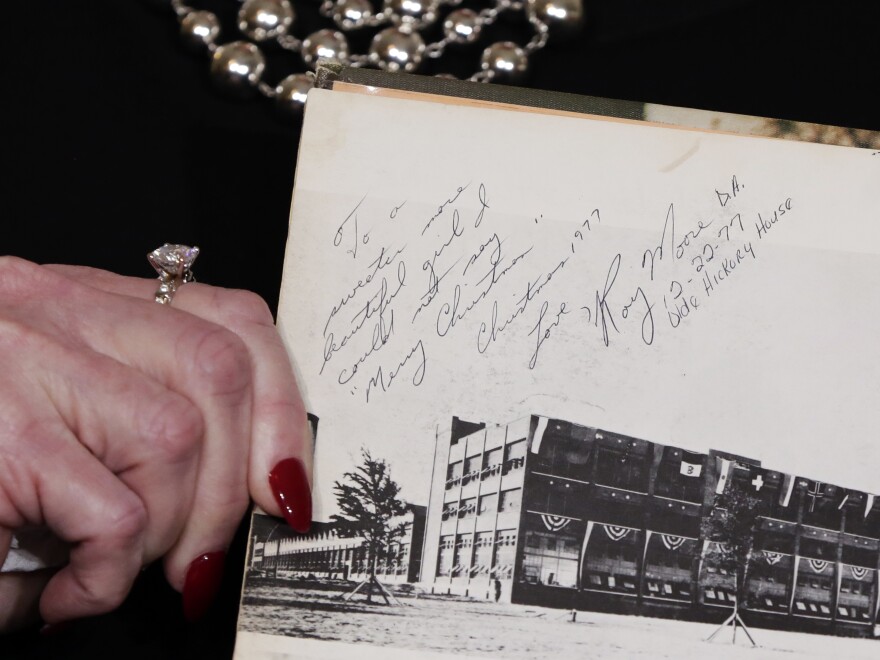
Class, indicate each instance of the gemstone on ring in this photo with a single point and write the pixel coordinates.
(173, 260)
(173, 263)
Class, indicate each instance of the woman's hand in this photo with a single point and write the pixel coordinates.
(137, 431)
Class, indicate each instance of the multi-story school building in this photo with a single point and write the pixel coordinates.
(547, 512)
(277, 551)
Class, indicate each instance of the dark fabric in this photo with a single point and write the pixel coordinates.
(115, 142)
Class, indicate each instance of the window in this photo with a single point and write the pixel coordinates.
(565, 451)
(450, 509)
(510, 500)
(482, 553)
(514, 456)
(472, 468)
(468, 508)
(453, 474)
(462, 555)
(820, 502)
(859, 555)
(505, 551)
(488, 503)
(556, 496)
(444, 562)
(550, 559)
(817, 549)
(492, 462)
(621, 467)
(672, 483)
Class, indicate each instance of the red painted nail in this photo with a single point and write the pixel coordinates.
(203, 578)
(291, 489)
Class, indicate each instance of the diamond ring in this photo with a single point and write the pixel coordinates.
(173, 263)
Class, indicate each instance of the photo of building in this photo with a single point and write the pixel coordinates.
(277, 551)
(547, 512)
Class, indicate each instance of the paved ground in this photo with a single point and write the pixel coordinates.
(482, 629)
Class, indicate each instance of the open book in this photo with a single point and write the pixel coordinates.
(587, 386)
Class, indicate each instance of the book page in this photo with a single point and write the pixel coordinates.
(567, 341)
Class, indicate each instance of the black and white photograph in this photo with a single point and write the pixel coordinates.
(620, 401)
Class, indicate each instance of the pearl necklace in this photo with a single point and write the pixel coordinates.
(397, 45)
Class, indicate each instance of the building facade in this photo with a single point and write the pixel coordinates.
(547, 512)
(278, 552)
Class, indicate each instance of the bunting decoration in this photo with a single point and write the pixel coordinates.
(539, 435)
(616, 533)
(772, 558)
(859, 572)
(554, 523)
(843, 502)
(869, 505)
(818, 565)
(672, 542)
(720, 547)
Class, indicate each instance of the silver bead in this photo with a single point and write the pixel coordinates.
(412, 11)
(397, 48)
(564, 18)
(237, 67)
(324, 44)
(352, 14)
(290, 94)
(265, 19)
(506, 60)
(462, 26)
(199, 28)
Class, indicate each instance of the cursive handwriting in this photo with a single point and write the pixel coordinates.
(543, 333)
(379, 379)
(463, 260)
(443, 206)
(371, 308)
(647, 318)
(337, 237)
(380, 262)
(488, 334)
(657, 251)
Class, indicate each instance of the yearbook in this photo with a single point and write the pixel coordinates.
(588, 379)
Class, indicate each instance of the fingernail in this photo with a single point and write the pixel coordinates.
(291, 489)
(203, 578)
(53, 629)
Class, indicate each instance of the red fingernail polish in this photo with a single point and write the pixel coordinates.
(203, 578)
(291, 489)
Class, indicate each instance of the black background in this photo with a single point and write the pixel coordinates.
(114, 142)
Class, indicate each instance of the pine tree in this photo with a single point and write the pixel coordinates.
(370, 508)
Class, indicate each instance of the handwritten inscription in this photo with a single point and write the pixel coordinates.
(473, 279)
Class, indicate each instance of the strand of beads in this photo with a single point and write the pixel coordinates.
(238, 66)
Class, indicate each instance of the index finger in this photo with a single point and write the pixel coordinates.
(279, 470)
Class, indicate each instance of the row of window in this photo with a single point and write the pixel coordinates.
(500, 460)
(506, 500)
(486, 553)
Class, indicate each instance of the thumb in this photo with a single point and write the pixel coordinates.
(20, 598)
